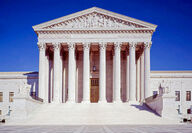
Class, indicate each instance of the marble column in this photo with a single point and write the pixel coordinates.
(142, 77)
(60, 78)
(113, 96)
(86, 73)
(148, 92)
(117, 79)
(127, 76)
(71, 73)
(51, 81)
(46, 79)
(102, 73)
(56, 73)
(41, 87)
(138, 79)
(132, 70)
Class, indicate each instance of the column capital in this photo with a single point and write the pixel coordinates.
(102, 45)
(71, 45)
(147, 44)
(86, 45)
(41, 46)
(56, 46)
(117, 45)
(132, 44)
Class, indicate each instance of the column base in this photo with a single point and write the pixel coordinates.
(70, 102)
(133, 102)
(46, 102)
(104, 101)
(86, 102)
(118, 101)
(55, 102)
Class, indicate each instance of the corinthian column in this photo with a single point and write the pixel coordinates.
(142, 77)
(127, 76)
(46, 99)
(102, 73)
(56, 73)
(117, 79)
(132, 72)
(41, 89)
(138, 73)
(86, 73)
(71, 74)
(148, 92)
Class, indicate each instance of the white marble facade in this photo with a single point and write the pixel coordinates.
(92, 31)
(116, 46)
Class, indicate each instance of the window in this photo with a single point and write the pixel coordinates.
(11, 94)
(188, 95)
(177, 94)
(188, 111)
(1, 96)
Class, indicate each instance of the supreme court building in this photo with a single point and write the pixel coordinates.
(94, 68)
(94, 56)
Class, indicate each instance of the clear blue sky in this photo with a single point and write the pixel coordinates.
(172, 41)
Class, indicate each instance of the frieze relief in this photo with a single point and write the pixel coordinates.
(145, 37)
(94, 20)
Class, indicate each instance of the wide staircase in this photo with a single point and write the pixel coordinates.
(93, 114)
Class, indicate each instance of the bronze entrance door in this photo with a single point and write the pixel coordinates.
(94, 92)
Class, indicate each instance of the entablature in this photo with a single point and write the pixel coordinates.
(102, 37)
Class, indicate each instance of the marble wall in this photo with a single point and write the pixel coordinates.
(171, 81)
(21, 83)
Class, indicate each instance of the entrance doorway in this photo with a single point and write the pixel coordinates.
(94, 92)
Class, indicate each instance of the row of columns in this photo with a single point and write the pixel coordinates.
(131, 72)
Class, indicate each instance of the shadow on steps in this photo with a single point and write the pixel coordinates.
(144, 107)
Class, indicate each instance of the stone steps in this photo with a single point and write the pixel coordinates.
(93, 114)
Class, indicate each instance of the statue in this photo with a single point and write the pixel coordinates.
(24, 90)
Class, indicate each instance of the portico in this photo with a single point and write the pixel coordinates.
(94, 56)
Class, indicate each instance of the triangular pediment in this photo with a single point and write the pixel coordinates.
(94, 18)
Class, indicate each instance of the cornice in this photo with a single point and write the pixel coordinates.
(171, 74)
(18, 75)
(93, 31)
(171, 71)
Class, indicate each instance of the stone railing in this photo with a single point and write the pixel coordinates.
(24, 103)
(23, 106)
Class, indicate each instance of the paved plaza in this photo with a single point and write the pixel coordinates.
(187, 128)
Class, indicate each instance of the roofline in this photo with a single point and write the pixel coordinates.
(152, 71)
(120, 16)
(21, 72)
(187, 71)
